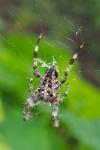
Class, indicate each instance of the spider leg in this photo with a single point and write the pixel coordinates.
(35, 59)
(30, 103)
(71, 62)
(31, 85)
(66, 91)
(54, 117)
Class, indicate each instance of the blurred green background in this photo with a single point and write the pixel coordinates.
(21, 21)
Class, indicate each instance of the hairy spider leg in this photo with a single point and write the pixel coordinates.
(31, 85)
(35, 62)
(35, 58)
(54, 117)
(71, 62)
(30, 103)
(66, 91)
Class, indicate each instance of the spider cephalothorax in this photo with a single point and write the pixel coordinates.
(48, 90)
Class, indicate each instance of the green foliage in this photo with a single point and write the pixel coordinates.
(80, 111)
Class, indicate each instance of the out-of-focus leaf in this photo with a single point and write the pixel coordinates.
(87, 131)
(35, 134)
(1, 112)
(4, 145)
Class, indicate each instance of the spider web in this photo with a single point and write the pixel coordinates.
(56, 40)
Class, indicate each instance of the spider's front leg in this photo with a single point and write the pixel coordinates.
(35, 59)
(30, 103)
(55, 117)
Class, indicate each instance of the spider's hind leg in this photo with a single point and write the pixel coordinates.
(66, 91)
(35, 69)
(35, 59)
(71, 62)
(31, 85)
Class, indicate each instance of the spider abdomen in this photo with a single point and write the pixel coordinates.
(50, 85)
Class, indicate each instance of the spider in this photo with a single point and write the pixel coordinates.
(50, 84)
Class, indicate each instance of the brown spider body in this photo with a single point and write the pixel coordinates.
(50, 84)
(49, 88)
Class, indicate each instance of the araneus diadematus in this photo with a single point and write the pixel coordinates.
(48, 90)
